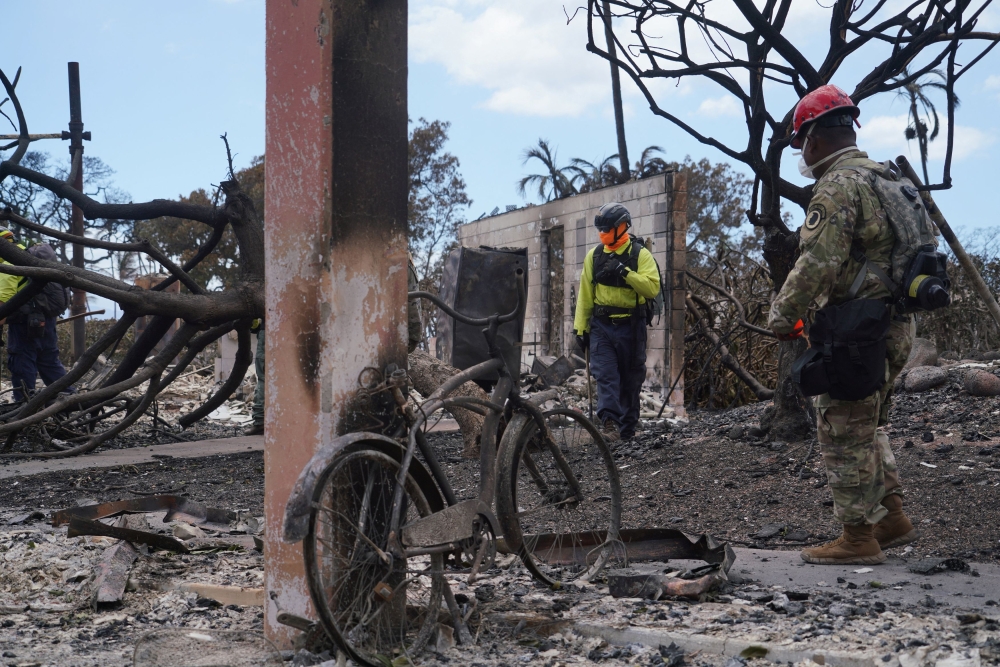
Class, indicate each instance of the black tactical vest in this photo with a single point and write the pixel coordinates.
(629, 259)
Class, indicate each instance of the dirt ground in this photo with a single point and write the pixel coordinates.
(232, 481)
(708, 475)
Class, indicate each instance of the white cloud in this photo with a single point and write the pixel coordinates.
(727, 105)
(520, 50)
(885, 134)
(523, 53)
(992, 82)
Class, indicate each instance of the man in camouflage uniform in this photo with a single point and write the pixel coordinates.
(845, 212)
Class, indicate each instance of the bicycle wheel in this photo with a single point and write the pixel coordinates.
(374, 606)
(560, 532)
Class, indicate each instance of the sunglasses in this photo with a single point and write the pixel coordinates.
(605, 227)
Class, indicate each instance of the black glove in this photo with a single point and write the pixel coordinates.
(619, 269)
(612, 267)
(583, 340)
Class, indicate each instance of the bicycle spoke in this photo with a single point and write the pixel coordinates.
(557, 475)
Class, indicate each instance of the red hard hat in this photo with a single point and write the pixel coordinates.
(818, 103)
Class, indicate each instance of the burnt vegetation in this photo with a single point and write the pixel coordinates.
(213, 301)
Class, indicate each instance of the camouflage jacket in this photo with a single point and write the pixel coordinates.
(844, 210)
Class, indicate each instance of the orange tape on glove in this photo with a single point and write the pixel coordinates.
(795, 333)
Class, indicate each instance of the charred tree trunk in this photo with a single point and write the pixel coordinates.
(428, 374)
(791, 417)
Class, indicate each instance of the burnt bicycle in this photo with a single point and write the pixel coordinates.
(382, 527)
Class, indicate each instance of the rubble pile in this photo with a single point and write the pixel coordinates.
(568, 376)
(48, 615)
(185, 394)
(975, 377)
(191, 390)
(520, 622)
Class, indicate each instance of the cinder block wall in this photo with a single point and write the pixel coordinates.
(659, 210)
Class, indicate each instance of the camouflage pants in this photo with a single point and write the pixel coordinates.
(860, 466)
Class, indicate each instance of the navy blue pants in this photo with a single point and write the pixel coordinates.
(28, 357)
(618, 364)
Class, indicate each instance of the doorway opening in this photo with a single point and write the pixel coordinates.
(554, 275)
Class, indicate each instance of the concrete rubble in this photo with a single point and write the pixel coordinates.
(519, 622)
(568, 376)
(47, 615)
(977, 376)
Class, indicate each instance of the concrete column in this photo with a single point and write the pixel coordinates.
(677, 289)
(335, 241)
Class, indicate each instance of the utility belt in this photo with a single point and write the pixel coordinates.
(847, 351)
(620, 314)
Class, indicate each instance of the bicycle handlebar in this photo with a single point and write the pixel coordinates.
(476, 321)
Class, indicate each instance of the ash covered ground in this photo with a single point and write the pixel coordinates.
(708, 475)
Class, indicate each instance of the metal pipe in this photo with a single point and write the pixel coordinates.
(963, 258)
(32, 137)
(79, 303)
(74, 317)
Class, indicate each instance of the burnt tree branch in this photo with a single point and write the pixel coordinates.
(211, 313)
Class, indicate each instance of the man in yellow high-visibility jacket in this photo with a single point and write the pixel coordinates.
(618, 279)
(32, 343)
(10, 285)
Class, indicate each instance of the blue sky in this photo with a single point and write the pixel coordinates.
(161, 82)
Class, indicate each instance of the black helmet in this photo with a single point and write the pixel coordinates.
(610, 216)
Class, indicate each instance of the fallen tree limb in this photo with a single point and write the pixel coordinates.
(736, 302)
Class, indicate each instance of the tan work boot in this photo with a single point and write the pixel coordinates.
(895, 529)
(857, 546)
(610, 431)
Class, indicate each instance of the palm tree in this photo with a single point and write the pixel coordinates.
(554, 184)
(649, 165)
(915, 93)
(594, 176)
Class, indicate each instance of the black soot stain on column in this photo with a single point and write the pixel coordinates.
(308, 343)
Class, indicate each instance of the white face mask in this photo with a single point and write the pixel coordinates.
(807, 170)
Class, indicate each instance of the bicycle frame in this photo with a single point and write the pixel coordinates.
(443, 525)
(502, 392)
(443, 530)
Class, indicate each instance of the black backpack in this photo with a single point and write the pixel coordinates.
(53, 299)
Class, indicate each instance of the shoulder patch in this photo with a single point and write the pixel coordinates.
(816, 214)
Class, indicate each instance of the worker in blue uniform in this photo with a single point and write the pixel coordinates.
(618, 280)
